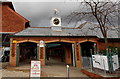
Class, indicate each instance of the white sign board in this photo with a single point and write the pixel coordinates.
(115, 62)
(100, 62)
(41, 43)
(35, 69)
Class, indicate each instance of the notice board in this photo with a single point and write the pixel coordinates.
(35, 69)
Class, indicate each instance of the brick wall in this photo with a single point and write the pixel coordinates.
(112, 44)
(11, 21)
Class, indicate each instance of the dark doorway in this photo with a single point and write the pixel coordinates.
(85, 48)
(56, 52)
(28, 52)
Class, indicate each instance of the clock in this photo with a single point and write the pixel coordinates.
(56, 21)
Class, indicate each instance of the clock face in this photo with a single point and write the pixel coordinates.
(56, 21)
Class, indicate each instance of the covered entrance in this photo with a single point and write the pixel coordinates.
(87, 49)
(59, 53)
(27, 52)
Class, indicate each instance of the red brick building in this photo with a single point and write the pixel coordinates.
(11, 22)
(67, 45)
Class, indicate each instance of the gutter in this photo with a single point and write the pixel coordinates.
(50, 36)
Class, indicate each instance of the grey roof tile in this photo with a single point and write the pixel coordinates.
(50, 32)
(65, 32)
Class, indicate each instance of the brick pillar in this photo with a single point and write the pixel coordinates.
(12, 53)
(67, 55)
(77, 55)
(98, 47)
(41, 55)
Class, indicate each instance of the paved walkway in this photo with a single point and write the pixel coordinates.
(55, 68)
(52, 69)
(61, 71)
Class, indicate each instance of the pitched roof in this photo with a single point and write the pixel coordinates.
(11, 20)
(47, 31)
(11, 8)
(112, 31)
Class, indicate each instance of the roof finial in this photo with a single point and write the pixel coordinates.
(55, 11)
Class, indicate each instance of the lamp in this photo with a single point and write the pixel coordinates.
(77, 43)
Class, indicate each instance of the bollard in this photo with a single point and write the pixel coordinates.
(91, 64)
(67, 71)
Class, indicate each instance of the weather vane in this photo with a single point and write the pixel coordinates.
(55, 11)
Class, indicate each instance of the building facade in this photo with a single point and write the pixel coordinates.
(45, 39)
(10, 23)
(66, 45)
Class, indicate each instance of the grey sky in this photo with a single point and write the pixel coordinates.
(39, 13)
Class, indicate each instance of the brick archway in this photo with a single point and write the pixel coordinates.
(27, 41)
(15, 51)
(86, 50)
(88, 41)
(64, 51)
(66, 41)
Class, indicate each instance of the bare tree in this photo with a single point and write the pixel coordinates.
(103, 13)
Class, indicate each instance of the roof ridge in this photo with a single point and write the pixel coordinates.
(39, 27)
(62, 27)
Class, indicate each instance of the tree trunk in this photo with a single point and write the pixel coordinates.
(106, 42)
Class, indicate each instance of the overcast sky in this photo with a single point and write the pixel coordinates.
(39, 12)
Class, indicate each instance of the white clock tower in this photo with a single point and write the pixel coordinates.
(56, 22)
